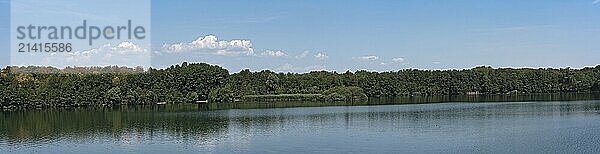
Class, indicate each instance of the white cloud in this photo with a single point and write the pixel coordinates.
(272, 53)
(366, 58)
(321, 56)
(318, 56)
(123, 48)
(212, 45)
(596, 2)
(122, 54)
(227, 53)
(398, 60)
(128, 48)
(315, 68)
(286, 67)
(302, 55)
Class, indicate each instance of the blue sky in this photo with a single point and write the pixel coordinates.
(73, 13)
(299, 36)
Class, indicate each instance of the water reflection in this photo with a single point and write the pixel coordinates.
(521, 126)
(32, 128)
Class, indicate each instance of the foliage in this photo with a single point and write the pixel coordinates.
(222, 94)
(65, 88)
(341, 93)
(44, 87)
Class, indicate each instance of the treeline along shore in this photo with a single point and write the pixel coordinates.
(46, 87)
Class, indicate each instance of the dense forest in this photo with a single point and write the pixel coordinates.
(45, 87)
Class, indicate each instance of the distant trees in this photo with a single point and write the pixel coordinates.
(341, 93)
(29, 87)
(177, 84)
(412, 82)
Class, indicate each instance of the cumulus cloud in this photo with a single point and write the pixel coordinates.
(366, 58)
(321, 56)
(209, 47)
(398, 60)
(315, 68)
(271, 53)
(318, 55)
(123, 54)
(108, 50)
(302, 55)
(212, 45)
(128, 48)
(227, 53)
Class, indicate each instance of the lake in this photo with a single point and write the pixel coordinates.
(569, 126)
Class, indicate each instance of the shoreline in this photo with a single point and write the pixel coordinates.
(401, 100)
(194, 82)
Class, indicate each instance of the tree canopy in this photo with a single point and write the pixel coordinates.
(31, 87)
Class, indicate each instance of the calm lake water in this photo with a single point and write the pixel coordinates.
(453, 127)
